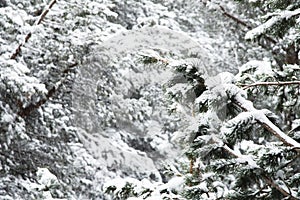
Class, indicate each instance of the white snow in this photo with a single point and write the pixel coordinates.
(7, 118)
(249, 160)
(250, 35)
(247, 145)
(221, 78)
(113, 152)
(288, 13)
(16, 77)
(257, 67)
(18, 17)
(46, 178)
(179, 88)
(156, 37)
(175, 183)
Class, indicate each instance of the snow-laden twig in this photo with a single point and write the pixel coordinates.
(280, 83)
(241, 158)
(37, 22)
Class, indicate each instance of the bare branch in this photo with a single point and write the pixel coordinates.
(280, 189)
(38, 21)
(241, 22)
(44, 13)
(279, 83)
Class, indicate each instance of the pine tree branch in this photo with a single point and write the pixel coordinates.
(246, 106)
(267, 179)
(23, 112)
(261, 118)
(27, 37)
(279, 83)
(280, 189)
(290, 162)
(27, 110)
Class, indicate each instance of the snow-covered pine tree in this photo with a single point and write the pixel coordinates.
(236, 151)
(274, 82)
(279, 25)
(245, 155)
(239, 151)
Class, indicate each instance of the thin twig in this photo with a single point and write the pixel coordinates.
(38, 21)
(241, 22)
(279, 83)
(280, 189)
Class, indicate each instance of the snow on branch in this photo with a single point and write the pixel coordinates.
(23, 112)
(275, 19)
(27, 37)
(261, 118)
(241, 158)
(247, 159)
(44, 13)
(150, 56)
(279, 83)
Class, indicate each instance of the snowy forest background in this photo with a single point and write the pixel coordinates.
(149, 99)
